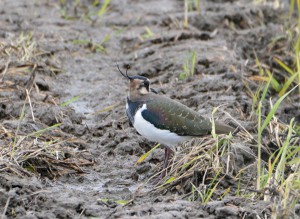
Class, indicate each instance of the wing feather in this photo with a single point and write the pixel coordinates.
(167, 114)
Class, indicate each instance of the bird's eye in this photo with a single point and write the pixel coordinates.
(146, 83)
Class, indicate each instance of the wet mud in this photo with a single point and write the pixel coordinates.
(61, 61)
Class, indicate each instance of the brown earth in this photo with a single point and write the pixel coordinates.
(54, 52)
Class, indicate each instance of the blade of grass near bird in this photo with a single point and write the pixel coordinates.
(144, 156)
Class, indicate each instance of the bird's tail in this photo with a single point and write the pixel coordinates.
(222, 128)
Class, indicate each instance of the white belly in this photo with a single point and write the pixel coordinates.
(152, 133)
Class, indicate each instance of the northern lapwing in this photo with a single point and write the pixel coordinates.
(163, 120)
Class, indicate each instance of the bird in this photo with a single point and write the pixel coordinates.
(163, 120)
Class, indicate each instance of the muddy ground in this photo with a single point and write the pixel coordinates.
(58, 53)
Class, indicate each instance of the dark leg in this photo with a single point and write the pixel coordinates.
(168, 152)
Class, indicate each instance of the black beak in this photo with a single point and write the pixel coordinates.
(125, 75)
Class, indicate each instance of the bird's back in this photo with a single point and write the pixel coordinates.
(167, 114)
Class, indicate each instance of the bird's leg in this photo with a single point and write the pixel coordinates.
(168, 152)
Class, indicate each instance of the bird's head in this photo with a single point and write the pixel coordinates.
(138, 87)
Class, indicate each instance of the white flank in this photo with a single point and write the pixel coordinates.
(152, 133)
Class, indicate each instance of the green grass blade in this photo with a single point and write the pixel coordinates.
(284, 66)
(292, 5)
(298, 7)
(73, 99)
(297, 50)
(81, 42)
(95, 3)
(279, 174)
(263, 96)
(194, 58)
(120, 202)
(144, 156)
(275, 85)
(212, 190)
(274, 109)
(149, 32)
(186, 10)
(259, 137)
(106, 39)
(103, 8)
(294, 152)
(44, 130)
(22, 115)
(287, 84)
(261, 71)
(171, 179)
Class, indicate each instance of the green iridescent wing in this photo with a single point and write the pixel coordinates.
(167, 114)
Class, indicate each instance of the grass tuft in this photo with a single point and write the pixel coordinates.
(92, 46)
(189, 66)
(29, 147)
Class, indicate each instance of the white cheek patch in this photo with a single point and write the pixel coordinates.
(143, 90)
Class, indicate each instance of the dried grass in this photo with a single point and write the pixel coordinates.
(48, 151)
(44, 155)
(207, 169)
